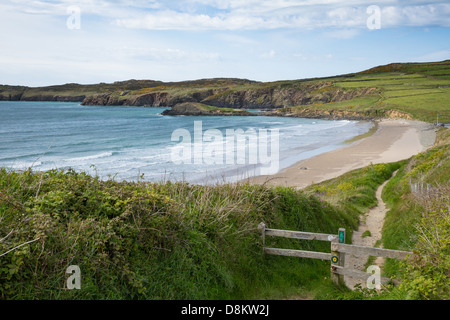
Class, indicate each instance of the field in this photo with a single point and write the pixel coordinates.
(420, 90)
(423, 96)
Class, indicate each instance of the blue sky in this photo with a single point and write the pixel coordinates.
(86, 41)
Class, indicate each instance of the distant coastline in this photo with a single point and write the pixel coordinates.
(417, 91)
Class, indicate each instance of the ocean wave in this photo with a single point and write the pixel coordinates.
(95, 156)
(25, 165)
(272, 122)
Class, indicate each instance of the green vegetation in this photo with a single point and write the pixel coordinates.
(138, 240)
(366, 233)
(195, 109)
(225, 110)
(354, 191)
(364, 135)
(418, 90)
(421, 221)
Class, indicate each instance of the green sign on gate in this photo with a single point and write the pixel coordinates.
(341, 235)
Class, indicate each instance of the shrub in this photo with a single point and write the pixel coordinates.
(140, 240)
(427, 273)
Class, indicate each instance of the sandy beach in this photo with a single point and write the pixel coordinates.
(395, 140)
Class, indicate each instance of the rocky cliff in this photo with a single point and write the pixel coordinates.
(281, 97)
(153, 99)
(265, 97)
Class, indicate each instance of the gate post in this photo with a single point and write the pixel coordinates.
(337, 258)
(262, 227)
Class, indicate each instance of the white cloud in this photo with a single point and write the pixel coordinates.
(244, 15)
(172, 20)
(421, 15)
(266, 15)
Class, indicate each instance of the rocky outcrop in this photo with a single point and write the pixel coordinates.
(280, 97)
(333, 114)
(24, 95)
(76, 98)
(198, 109)
(396, 114)
(102, 100)
(325, 114)
(10, 96)
(152, 99)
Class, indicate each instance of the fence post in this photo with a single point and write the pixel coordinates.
(262, 227)
(337, 258)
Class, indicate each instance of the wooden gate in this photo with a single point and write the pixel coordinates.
(336, 256)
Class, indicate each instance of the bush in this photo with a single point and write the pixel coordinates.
(427, 273)
(139, 240)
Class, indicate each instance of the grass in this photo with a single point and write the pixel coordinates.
(419, 91)
(137, 240)
(354, 191)
(366, 234)
(430, 167)
(412, 216)
(227, 110)
(421, 94)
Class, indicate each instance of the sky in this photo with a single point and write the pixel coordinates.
(48, 42)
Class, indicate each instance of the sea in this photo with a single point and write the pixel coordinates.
(139, 144)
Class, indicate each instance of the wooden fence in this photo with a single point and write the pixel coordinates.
(420, 187)
(336, 256)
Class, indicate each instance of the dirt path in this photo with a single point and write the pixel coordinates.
(369, 232)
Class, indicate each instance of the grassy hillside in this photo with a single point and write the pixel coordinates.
(418, 90)
(137, 240)
(421, 220)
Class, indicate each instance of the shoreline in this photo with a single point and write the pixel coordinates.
(394, 140)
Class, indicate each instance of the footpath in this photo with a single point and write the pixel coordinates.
(368, 234)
